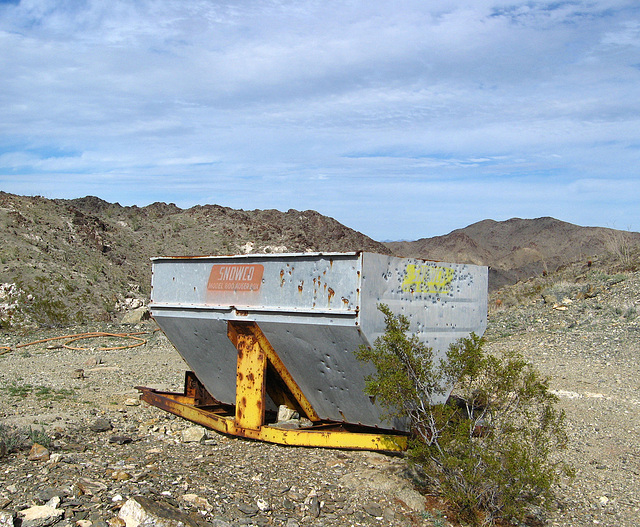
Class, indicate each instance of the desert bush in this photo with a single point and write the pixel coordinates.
(619, 245)
(489, 450)
(14, 439)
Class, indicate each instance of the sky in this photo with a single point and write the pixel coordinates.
(402, 120)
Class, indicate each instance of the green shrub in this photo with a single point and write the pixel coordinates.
(489, 450)
(14, 439)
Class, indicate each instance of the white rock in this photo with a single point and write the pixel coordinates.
(55, 458)
(6, 519)
(194, 434)
(285, 413)
(141, 511)
(263, 505)
(42, 512)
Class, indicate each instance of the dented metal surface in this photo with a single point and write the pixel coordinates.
(314, 310)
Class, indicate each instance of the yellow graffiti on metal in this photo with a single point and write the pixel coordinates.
(427, 279)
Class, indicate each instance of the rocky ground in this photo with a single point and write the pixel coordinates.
(107, 447)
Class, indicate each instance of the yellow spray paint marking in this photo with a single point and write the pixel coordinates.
(427, 279)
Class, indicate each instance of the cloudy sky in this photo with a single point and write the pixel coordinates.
(401, 119)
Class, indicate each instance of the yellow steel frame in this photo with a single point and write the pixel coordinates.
(257, 361)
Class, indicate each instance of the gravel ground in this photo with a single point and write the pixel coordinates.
(588, 345)
(590, 350)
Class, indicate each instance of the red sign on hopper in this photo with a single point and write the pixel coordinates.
(235, 277)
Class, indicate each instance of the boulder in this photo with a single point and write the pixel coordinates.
(139, 510)
(136, 316)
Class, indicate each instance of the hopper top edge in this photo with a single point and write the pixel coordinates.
(257, 255)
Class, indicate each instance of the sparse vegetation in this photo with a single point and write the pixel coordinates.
(489, 450)
(620, 246)
(19, 389)
(14, 439)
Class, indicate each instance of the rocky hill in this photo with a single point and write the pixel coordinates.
(86, 259)
(579, 324)
(73, 261)
(518, 249)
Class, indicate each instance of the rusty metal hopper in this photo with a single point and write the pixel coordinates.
(312, 311)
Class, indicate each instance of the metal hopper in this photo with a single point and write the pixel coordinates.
(262, 331)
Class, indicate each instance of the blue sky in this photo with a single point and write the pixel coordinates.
(400, 119)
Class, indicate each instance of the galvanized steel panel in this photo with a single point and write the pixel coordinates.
(315, 309)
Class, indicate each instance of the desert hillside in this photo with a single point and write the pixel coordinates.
(518, 249)
(72, 261)
(86, 259)
(574, 314)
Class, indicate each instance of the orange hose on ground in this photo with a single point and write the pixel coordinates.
(99, 334)
(92, 334)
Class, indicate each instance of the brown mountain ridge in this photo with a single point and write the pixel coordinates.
(71, 261)
(517, 249)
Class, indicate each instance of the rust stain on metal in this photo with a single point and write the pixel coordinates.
(331, 294)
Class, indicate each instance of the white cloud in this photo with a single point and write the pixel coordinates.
(360, 110)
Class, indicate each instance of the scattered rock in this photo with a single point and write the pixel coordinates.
(120, 475)
(6, 518)
(38, 453)
(313, 504)
(116, 521)
(55, 458)
(101, 425)
(120, 440)
(291, 424)
(197, 501)
(136, 316)
(41, 515)
(93, 361)
(89, 487)
(373, 509)
(286, 414)
(47, 494)
(194, 434)
(141, 511)
(248, 509)
(588, 291)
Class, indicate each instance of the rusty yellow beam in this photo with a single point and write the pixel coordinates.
(272, 434)
(250, 377)
(278, 365)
